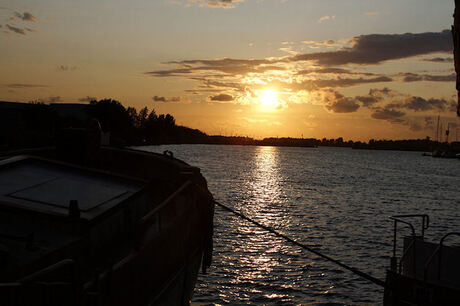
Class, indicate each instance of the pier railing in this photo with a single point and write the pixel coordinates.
(411, 247)
(437, 253)
(423, 260)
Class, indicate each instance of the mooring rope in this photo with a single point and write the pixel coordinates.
(304, 246)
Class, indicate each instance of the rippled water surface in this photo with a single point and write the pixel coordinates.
(336, 198)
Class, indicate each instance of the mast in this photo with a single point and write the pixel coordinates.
(441, 134)
(447, 132)
(437, 131)
(456, 38)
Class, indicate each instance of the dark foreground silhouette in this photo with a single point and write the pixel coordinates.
(84, 224)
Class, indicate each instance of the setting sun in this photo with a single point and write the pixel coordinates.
(286, 68)
(269, 99)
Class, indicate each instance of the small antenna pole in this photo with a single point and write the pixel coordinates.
(437, 131)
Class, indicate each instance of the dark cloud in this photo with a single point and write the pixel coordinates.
(26, 16)
(420, 104)
(164, 99)
(345, 82)
(218, 84)
(412, 77)
(378, 48)
(87, 99)
(197, 91)
(382, 92)
(439, 59)
(221, 98)
(22, 31)
(315, 84)
(338, 103)
(224, 62)
(159, 99)
(395, 112)
(16, 30)
(227, 66)
(328, 42)
(333, 70)
(375, 96)
(67, 68)
(171, 72)
(440, 78)
(19, 85)
(369, 100)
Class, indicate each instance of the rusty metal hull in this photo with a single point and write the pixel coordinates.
(140, 240)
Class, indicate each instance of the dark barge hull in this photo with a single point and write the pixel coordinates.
(142, 247)
(404, 290)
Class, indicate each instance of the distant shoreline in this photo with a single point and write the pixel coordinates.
(27, 125)
(417, 145)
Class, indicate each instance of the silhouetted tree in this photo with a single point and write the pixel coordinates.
(112, 116)
(133, 117)
(142, 117)
(170, 120)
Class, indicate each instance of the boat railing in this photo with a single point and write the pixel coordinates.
(148, 218)
(50, 270)
(399, 219)
(437, 253)
(55, 283)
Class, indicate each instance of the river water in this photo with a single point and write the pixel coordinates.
(335, 198)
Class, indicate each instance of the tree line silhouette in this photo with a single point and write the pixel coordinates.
(36, 124)
(131, 127)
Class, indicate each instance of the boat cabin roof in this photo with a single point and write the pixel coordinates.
(47, 186)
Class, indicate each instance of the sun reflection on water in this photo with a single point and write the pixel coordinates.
(264, 189)
(265, 184)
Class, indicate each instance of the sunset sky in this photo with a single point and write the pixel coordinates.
(359, 69)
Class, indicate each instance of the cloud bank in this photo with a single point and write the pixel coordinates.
(317, 77)
(26, 16)
(164, 99)
(17, 30)
(378, 48)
